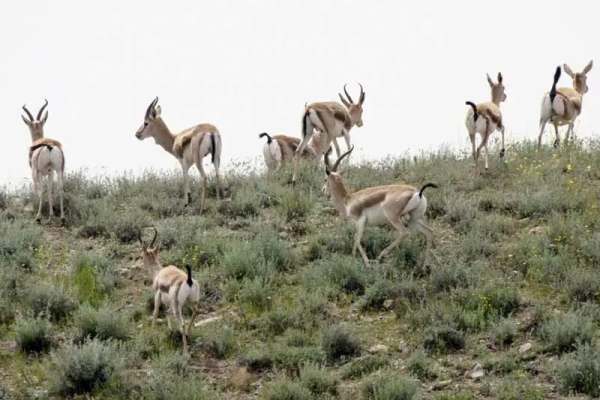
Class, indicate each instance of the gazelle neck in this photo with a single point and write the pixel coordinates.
(163, 136)
(339, 195)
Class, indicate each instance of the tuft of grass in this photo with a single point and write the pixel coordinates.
(389, 387)
(338, 342)
(284, 388)
(564, 333)
(443, 339)
(363, 366)
(51, 301)
(103, 323)
(220, 342)
(377, 294)
(504, 333)
(420, 366)
(580, 372)
(33, 335)
(85, 368)
(318, 380)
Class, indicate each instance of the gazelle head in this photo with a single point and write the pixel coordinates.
(354, 109)
(579, 78)
(150, 252)
(152, 115)
(498, 94)
(36, 125)
(333, 176)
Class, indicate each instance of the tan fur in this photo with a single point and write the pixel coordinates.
(167, 277)
(185, 137)
(366, 198)
(491, 111)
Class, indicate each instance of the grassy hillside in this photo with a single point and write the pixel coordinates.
(507, 306)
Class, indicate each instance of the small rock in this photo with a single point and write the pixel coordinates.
(388, 304)
(378, 348)
(525, 347)
(476, 372)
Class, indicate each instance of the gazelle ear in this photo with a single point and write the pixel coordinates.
(588, 67)
(568, 71)
(157, 111)
(489, 79)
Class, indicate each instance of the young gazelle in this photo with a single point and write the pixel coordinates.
(171, 286)
(45, 158)
(485, 118)
(563, 105)
(379, 205)
(280, 149)
(333, 120)
(189, 146)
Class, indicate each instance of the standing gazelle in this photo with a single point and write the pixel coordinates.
(333, 120)
(189, 147)
(485, 118)
(379, 205)
(280, 149)
(45, 158)
(563, 105)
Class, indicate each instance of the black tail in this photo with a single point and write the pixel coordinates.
(37, 146)
(213, 148)
(304, 123)
(189, 275)
(556, 78)
(474, 107)
(269, 138)
(425, 186)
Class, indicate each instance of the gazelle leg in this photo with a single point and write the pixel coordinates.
(503, 149)
(569, 135)
(50, 194)
(218, 179)
(485, 149)
(396, 223)
(186, 184)
(542, 127)
(204, 182)
(360, 230)
(557, 140)
(61, 194)
(299, 151)
(156, 307)
(39, 188)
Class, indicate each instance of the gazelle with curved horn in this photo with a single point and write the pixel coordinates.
(562, 106)
(379, 205)
(485, 118)
(333, 120)
(171, 286)
(46, 157)
(190, 146)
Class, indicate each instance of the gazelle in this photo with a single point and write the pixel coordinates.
(379, 205)
(171, 286)
(333, 120)
(46, 157)
(280, 149)
(189, 147)
(485, 118)
(563, 105)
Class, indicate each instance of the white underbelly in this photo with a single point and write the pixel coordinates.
(375, 216)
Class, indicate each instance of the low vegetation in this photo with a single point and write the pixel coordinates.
(510, 291)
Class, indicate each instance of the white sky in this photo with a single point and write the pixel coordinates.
(249, 66)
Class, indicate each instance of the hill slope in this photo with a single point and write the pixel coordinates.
(505, 307)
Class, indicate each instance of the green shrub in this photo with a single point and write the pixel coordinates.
(338, 342)
(504, 333)
(446, 278)
(291, 358)
(163, 385)
(443, 339)
(50, 300)
(519, 390)
(583, 285)
(295, 205)
(580, 372)
(345, 273)
(389, 387)
(256, 293)
(377, 294)
(126, 225)
(420, 366)
(244, 204)
(243, 260)
(318, 380)
(103, 324)
(257, 360)
(219, 342)
(276, 322)
(363, 366)
(564, 333)
(286, 389)
(93, 277)
(33, 335)
(85, 368)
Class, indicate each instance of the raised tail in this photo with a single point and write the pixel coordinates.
(304, 118)
(189, 281)
(556, 78)
(425, 186)
(474, 107)
(213, 147)
(265, 134)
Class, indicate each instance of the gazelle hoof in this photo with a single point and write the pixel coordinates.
(502, 152)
